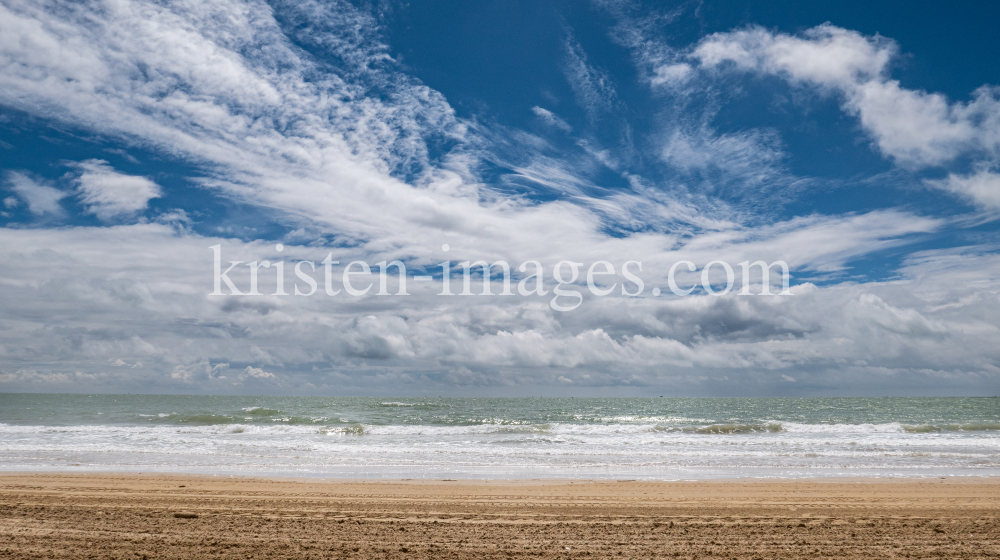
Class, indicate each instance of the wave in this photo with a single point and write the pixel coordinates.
(890, 428)
(271, 421)
(261, 411)
(737, 429)
(250, 414)
(723, 429)
(353, 429)
(422, 405)
(971, 427)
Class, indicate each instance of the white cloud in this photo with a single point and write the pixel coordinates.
(109, 194)
(670, 74)
(915, 128)
(747, 164)
(334, 166)
(735, 175)
(593, 87)
(41, 199)
(655, 58)
(70, 316)
(826, 55)
(549, 118)
(345, 151)
(256, 373)
(982, 188)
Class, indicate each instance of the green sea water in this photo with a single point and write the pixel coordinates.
(377, 437)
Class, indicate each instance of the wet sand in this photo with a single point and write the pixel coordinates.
(133, 516)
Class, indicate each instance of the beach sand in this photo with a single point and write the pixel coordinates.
(131, 516)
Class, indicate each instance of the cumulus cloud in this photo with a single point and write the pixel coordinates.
(256, 373)
(825, 55)
(109, 194)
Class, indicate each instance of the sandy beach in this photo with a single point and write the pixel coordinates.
(178, 516)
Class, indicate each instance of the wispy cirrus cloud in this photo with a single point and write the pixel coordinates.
(594, 89)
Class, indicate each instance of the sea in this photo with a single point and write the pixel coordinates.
(502, 438)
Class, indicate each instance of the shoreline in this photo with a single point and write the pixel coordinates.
(134, 515)
(555, 480)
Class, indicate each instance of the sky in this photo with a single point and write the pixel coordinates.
(859, 143)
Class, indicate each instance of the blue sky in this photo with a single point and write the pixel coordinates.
(859, 143)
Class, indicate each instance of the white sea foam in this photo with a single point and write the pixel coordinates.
(557, 449)
(407, 438)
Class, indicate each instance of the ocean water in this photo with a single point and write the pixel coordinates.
(654, 438)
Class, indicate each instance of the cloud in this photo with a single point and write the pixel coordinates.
(549, 118)
(352, 156)
(671, 74)
(40, 198)
(337, 163)
(937, 315)
(309, 119)
(825, 55)
(914, 128)
(109, 194)
(982, 188)
(746, 166)
(256, 373)
(640, 32)
(593, 87)
(735, 175)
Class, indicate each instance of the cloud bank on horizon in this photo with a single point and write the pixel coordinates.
(135, 134)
